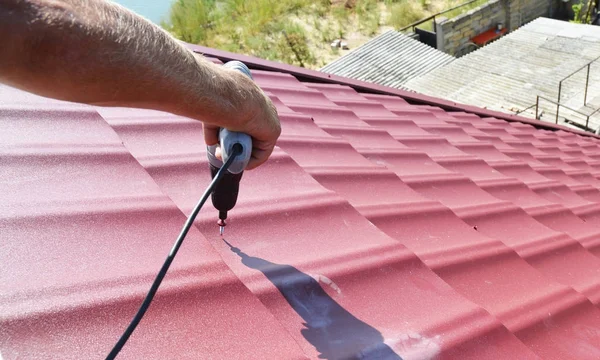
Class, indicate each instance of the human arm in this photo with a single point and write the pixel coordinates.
(99, 53)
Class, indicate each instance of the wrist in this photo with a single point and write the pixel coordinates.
(210, 95)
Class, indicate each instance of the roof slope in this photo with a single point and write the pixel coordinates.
(508, 74)
(390, 59)
(377, 228)
(84, 229)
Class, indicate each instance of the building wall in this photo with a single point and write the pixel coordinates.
(523, 11)
(454, 35)
(458, 31)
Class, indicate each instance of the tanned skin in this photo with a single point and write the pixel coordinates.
(97, 52)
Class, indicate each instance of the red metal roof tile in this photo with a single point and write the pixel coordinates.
(378, 227)
(307, 230)
(449, 193)
(84, 228)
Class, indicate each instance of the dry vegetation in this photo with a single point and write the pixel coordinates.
(295, 31)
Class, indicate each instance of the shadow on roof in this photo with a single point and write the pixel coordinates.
(331, 329)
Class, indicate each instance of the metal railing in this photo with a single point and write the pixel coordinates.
(432, 17)
(587, 82)
(558, 105)
(527, 108)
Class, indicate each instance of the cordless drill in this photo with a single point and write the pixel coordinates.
(226, 191)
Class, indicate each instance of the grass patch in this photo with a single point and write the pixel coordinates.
(295, 31)
(368, 15)
(404, 13)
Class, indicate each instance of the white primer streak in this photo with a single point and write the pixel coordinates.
(413, 346)
(325, 280)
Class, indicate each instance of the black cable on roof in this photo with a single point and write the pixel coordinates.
(237, 150)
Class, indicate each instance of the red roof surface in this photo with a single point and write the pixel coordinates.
(379, 228)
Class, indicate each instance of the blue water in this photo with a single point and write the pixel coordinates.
(153, 10)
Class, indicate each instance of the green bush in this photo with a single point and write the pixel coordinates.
(577, 13)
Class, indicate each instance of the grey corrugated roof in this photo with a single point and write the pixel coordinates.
(390, 59)
(510, 72)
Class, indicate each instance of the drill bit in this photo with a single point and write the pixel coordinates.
(221, 224)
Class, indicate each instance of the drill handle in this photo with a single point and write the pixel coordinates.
(227, 139)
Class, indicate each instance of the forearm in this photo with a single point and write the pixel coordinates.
(98, 53)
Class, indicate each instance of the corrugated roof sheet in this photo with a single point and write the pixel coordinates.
(390, 59)
(378, 229)
(509, 73)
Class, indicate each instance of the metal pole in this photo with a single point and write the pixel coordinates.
(587, 81)
(537, 104)
(558, 102)
(587, 121)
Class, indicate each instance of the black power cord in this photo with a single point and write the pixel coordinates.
(237, 150)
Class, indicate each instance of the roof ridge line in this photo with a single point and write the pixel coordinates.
(309, 75)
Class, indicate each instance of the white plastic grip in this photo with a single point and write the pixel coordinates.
(229, 138)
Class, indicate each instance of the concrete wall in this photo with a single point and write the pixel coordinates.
(454, 35)
(457, 32)
(523, 11)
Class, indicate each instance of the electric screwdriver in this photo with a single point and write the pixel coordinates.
(226, 191)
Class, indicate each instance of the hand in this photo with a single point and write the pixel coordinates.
(247, 110)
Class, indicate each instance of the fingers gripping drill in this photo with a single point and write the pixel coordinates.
(235, 144)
